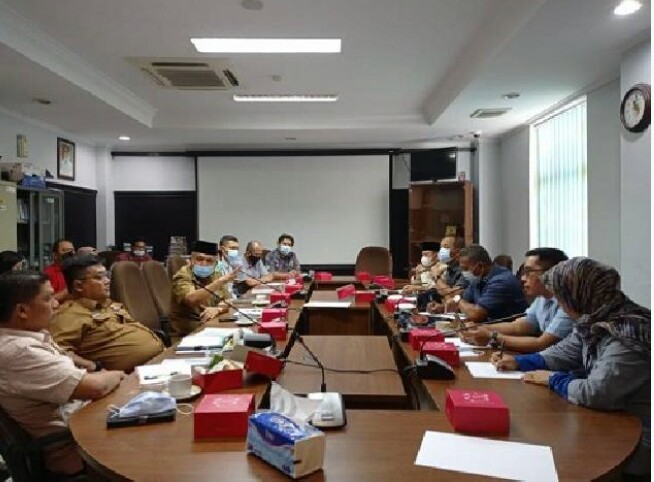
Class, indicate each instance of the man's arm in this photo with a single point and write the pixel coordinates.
(528, 344)
(473, 312)
(80, 362)
(198, 297)
(96, 385)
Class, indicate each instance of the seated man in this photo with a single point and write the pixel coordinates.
(61, 249)
(93, 326)
(198, 291)
(504, 260)
(228, 259)
(283, 262)
(11, 261)
(254, 271)
(544, 324)
(87, 250)
(137, 254)
(39, 385)
(451, 282)
(427, 271)
(494, 292)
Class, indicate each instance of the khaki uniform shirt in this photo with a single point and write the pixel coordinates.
(36, 383)
(105, 332)
(184, 318)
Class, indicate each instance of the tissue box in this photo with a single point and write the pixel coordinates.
(277, 296)
(447, 351)
(263, 364)
(276, 329)
(219, 381)
(347, 291)
(477, 411)
(297, 450)
(322, 276)
(224, 415)
(269, 314)
(290, 289)
(419, 335)
(364, 276)
(364, 296)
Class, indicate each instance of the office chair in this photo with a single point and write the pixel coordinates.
(376, 260)
(24, 455)
(108, 258)
(174, 264)
(160, 288)
(128, 287)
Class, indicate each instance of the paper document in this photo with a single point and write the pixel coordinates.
(328, 304)
(262, 291)
(153, 374)
(198, 343)
(192, 362)
(221, 332)
(494, 458)
(488, 370)
(460, 344)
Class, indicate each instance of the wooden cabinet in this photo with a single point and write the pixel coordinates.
(436, 207)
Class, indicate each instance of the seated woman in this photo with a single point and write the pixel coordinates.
(605, 362)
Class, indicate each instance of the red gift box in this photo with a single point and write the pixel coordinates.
(263, 364)
(224, 415)
(219, 381)
(477, 411)
(322, 276)
(391, 303)
(347, 291)
(364, 296)
(276, 329)
(446, 351)
(363, 276)
(379, 278)
(270, 314)
(418, 336)
(290, 289)
(283, 297)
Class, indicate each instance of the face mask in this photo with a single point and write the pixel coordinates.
(139, 252)
(202, 271)
(253, 259)
(470, 277)
(444, 255)
(147, 403)
(232, 254)
(285, 249)
(426, 261)
(67, 254)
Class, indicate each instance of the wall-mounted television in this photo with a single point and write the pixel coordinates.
(433, 165)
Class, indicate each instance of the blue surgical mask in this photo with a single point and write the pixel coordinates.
(470, 277)
(147, 403)
(202, 271)
(284, 249)
(232, 254)
(444, 255)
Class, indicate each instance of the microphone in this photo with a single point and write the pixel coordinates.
(431, 367)
(261, 282)
(220, 299)
(294, 334)
(489, 322)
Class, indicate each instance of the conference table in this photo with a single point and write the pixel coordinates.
(378, 443)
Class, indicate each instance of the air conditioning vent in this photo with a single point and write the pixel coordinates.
(183, 74)
(489, 113)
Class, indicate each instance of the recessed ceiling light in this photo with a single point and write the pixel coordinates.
(124, 138)
(627, 7)
(511, 95)
(252, 4)
(284, 98)
(267, 45)
(42, 101)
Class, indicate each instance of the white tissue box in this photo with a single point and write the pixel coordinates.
(295, 449)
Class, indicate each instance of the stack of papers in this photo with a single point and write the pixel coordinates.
(262, 291)
(465, 349)
(155, 374)
(328, 304)
(488, 370)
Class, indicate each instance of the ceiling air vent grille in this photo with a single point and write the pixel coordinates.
(182, 74)
(489, 113)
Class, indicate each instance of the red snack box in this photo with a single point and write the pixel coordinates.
(364, 276)
(263, 364)
(419, 335)
(290, 289)
(447, 351)
(276, 329)
(347, 291)
(224, 415)
(391, 303)
(270, 314)
(364, 296)
(477, 411)
(322, 276)
(219, 381)
(277, 296)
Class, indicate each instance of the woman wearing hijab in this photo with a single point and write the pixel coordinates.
(605, 362)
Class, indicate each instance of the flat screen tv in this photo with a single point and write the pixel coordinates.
(433, 165)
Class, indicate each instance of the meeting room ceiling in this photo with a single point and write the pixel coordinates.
(410, 71)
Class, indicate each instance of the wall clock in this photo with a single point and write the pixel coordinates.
(635, 109)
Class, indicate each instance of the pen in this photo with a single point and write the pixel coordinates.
(502, 350)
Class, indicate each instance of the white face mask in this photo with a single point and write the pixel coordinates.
(232, 254)
(139, 252)
(147, 403)
(444, 255)
(426, 261)
(284, 249)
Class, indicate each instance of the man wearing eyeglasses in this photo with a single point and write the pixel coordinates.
(97, 328)
(544, 323)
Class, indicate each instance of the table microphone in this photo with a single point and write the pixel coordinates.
(490, 322)
(431, 367)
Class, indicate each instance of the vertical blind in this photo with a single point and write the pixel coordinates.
(559, 200)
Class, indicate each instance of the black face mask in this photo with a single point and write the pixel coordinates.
(253, 259)
(67, 254)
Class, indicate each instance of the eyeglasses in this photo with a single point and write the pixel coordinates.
(530, 271)
(97, 277)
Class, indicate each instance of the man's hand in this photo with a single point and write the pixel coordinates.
(212, 312)
(451, 306)
(435, 307)
(478, 336)
(229, 277)
(538, 377)
(505, 363)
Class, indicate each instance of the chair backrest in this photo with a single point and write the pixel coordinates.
(376, 260)
(108, 258)
(128, 286)
(22, 455)
(159, 284)
(175, 263)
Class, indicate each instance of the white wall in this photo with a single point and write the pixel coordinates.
(489, 192)
(42, 149)
(603, 127)
(635, 184)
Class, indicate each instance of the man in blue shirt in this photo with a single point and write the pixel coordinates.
(544, 323)
(253, 272)
(494, 292)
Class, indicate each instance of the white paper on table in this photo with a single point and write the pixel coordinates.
(328, 304)
(459, 343)
(450, 316)
(192, 362)
(221, 332)
(480, 456)
(253, 312)
(262, 291)
(199, 343)
(488, 370)
(153, 374)
(300, 409)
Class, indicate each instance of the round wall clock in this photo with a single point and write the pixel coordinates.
(635, 109)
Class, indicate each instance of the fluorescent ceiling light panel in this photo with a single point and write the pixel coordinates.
(267, 45)
(627, 7)
(285, 98)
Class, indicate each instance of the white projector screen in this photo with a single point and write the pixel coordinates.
(332, 205)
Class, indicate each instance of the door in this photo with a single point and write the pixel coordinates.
(51, 223)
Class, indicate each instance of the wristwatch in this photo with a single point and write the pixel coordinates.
(494, 341)
(98, 366)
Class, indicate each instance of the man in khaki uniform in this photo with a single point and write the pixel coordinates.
(198, 291)
(94, 327)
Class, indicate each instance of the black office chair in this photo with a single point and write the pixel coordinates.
(23, 454)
